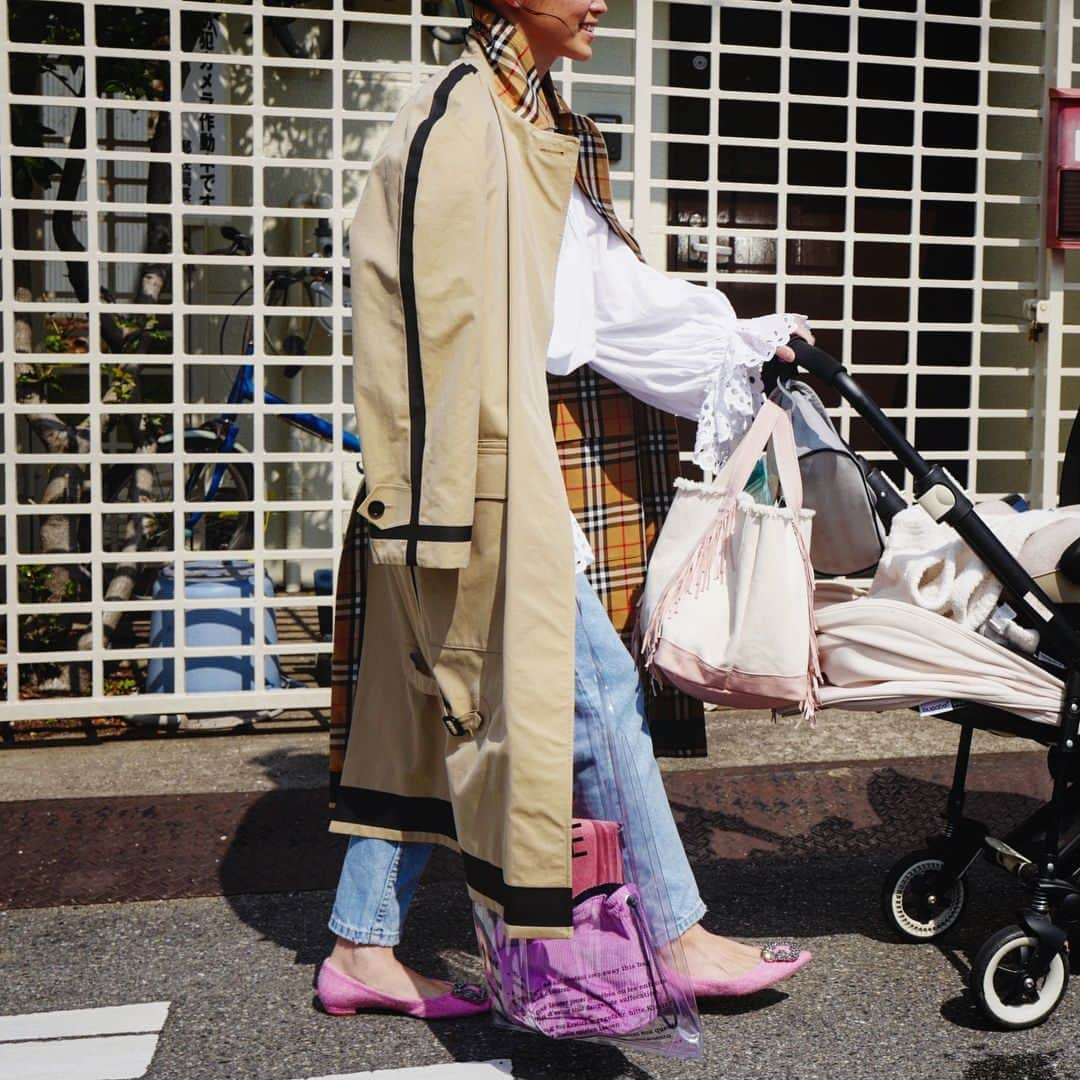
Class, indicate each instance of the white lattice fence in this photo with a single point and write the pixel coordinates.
(874, 165)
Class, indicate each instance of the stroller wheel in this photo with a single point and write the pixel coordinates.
(1002, 986)
(911, 907)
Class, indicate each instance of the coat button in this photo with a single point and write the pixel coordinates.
(376, 509)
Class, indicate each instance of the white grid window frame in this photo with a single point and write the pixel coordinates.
(298, 133)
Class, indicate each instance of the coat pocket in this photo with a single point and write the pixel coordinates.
(459, 619)
(418, 676)
(463, 609)
(455, 693)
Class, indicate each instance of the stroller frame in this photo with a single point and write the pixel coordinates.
(1020, 974)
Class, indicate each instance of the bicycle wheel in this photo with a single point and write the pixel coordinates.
(234, 333)
(216, 530)
(211, 530)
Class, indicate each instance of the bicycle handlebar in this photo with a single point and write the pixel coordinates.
(241, 243)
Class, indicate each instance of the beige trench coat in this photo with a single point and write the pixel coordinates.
(462, 727)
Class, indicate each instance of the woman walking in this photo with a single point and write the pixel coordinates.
(486, 254)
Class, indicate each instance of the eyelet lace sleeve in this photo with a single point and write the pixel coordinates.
(735, 389)
(672, 344)
(731, 399)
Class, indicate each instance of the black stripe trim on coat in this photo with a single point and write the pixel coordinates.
(447, 533)
(404, 813)
(522, 905)
(407, 271)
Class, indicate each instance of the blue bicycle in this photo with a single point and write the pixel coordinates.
(218, 479)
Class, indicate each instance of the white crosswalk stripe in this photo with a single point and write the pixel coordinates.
(113, 1043)
(498, 1069)
(118, 1043)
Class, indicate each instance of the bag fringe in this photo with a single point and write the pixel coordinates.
(707, 561)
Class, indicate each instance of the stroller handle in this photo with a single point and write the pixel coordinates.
(943, 499)
(815, 360)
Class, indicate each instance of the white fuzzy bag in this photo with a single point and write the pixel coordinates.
(727, 611)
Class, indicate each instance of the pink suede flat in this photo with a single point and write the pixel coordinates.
(340, 995)
(779, 960)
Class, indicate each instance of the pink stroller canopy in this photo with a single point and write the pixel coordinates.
(885, 654)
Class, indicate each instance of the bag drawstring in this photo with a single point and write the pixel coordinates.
(646, 952)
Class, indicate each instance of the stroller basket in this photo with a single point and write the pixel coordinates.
(1020, 974)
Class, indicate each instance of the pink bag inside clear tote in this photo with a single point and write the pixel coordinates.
(605, 980)
(618, 978)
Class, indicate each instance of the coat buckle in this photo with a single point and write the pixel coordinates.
(468, 724)
(454, 725)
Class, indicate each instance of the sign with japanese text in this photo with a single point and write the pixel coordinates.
(202, 133)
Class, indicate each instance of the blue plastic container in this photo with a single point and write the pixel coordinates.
(324, 586)
(220, 626)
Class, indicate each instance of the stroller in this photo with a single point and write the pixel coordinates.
(1020, 973)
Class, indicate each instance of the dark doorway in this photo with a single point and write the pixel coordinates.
(860, 175)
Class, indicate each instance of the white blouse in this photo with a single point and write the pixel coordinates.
(670, 343)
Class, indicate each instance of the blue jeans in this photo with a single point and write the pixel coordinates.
(379, 877)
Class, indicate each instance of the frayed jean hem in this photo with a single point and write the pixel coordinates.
(362, 937)
(684, 924)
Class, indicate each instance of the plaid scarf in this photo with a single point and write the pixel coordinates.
(534, 99)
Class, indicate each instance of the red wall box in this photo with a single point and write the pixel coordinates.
(1063, 174)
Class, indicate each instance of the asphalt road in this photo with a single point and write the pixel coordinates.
(237, 972)
(216, 902)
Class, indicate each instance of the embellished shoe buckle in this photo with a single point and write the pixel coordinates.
(780, 952)
(469, 992)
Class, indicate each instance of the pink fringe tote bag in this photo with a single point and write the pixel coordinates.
(727, 610)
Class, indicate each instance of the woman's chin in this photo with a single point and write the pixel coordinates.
(579, 52)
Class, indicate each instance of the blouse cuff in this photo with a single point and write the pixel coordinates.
(735, 389)
(764, 334)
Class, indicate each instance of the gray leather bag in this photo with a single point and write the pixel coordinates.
(848, 537)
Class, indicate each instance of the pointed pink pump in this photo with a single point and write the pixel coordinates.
(341, 995)
(779, 961)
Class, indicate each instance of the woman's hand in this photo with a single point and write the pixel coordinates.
(802, 330)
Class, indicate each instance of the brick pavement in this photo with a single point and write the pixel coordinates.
(153, 847)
